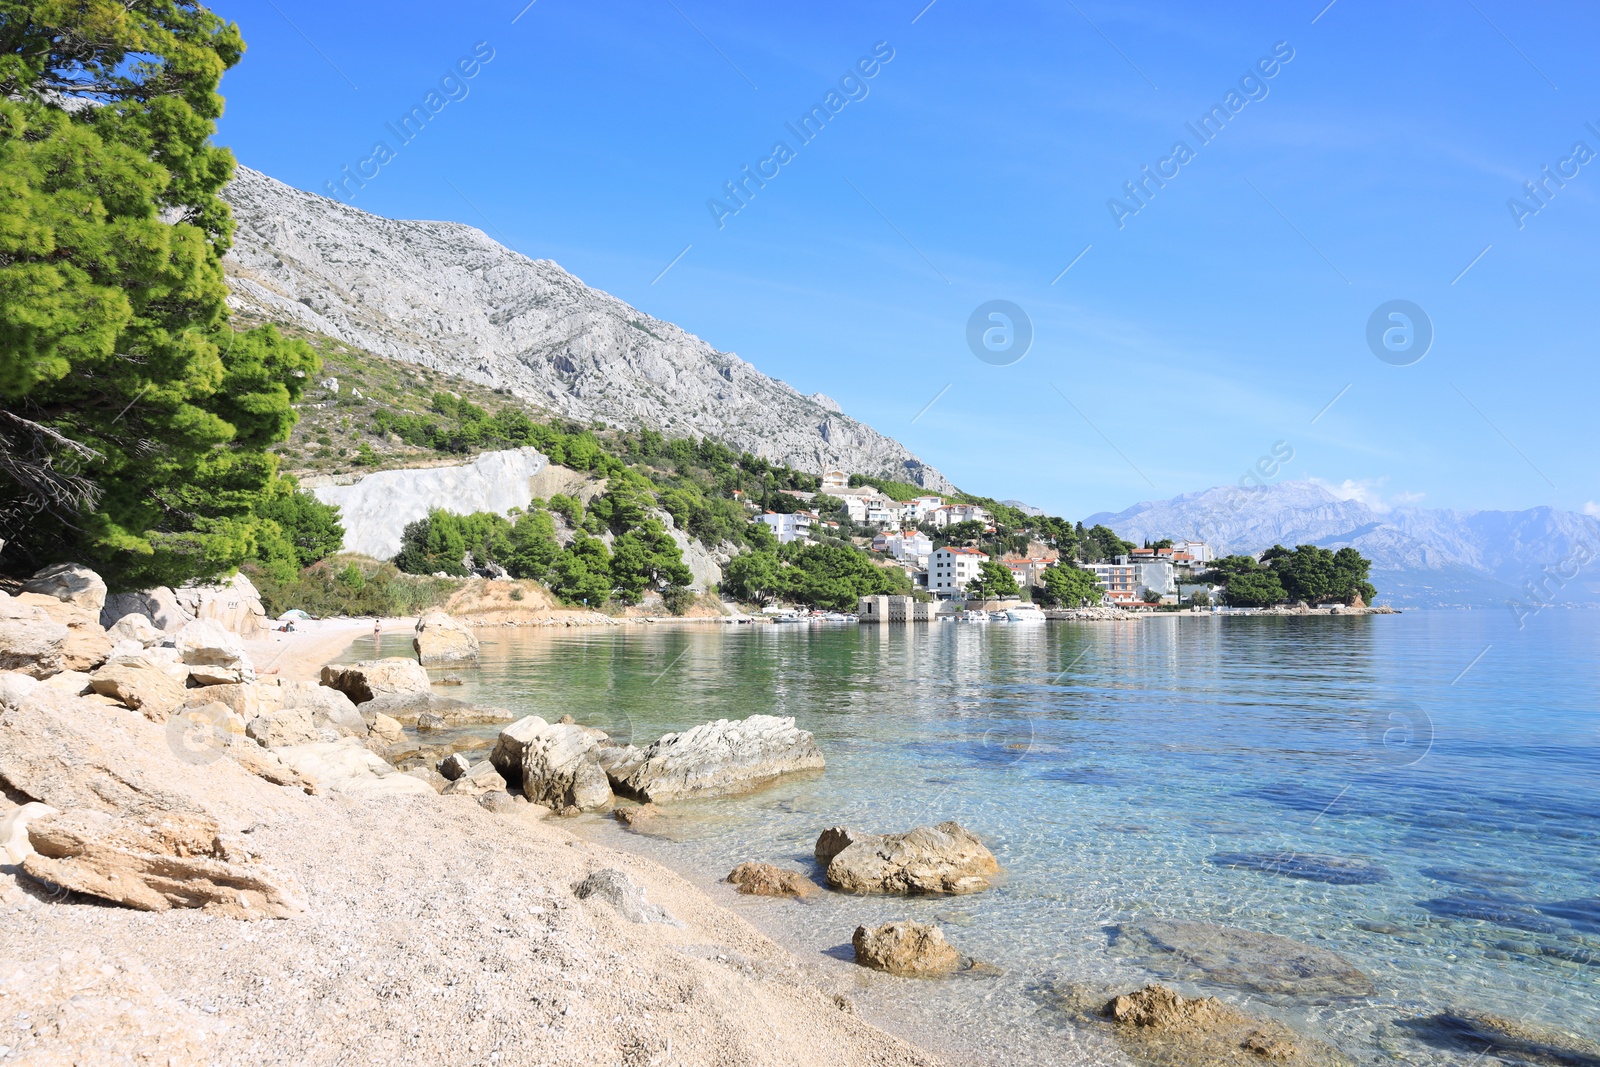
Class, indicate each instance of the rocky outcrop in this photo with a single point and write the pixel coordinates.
(554, 764)
(70, 583)
(155, 863)
(722, 757)
(328, 707)
(454, 766)
(286, 726)
(946, 858)
(370, 678)
(159, 605)
(233, 605)
(14, 844)
(136, 628)
(618, 890)
(213, 655)
(446, 296)
(347, 766)
(766, 880)
(15, 687)
(441, 641)
(905, 948)
(1240, 959)
(409, 708)
(30, 641)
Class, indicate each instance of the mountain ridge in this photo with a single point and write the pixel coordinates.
(1422, 557)
(447, 296)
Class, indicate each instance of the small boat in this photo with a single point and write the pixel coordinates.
(997, 616)
(974, 616)
(1024, 613)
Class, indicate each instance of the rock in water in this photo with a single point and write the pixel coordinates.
(1158, 1027)
(72, 584)
(765, 880)
(1335, 870)
(370, 678)
(617, 889)
(947, 858)
(1476, 1033)
(909, 949)
(1241, 959)
(556, 765)
(726, 756)
(441, 641)
(155, 863)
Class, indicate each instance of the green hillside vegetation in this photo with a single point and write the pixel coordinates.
(1307, 572)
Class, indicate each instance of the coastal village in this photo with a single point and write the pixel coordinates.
(909, 534)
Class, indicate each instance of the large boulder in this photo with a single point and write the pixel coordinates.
(376, 677)
(328, 707)
(479, 779)
(30, 640)
(155, 863)
(555, 764)
(213, 655)
(137, 628)
(347, 766)
(441, 641)
(909, 949)
(159, 605)
(244, 699)
(726, 756)
(73, 584)
(287, 726)
(947, 858)
(149, 690)
(234, 605)
(407, 708)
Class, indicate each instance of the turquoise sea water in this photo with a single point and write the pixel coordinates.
(1172, 768)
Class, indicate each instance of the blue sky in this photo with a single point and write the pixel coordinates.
(1218, 320)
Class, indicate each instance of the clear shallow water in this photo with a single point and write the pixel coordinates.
(1109, 765)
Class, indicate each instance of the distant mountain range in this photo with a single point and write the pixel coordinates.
(1422, 557)
(448, 297)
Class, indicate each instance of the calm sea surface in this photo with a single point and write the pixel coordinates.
(1119, 771)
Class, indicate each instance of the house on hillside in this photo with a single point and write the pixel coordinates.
(950, 570)
(833, 481)
(787, 528)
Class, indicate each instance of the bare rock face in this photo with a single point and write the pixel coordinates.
(328, 707)
(909, 949)
(15, 687)
(159, 605)
(1157, 1026)
(73, 584)
(149, 690)
(386, 729)
(929, 859)
(765, 880)
(14, 844)
(618, 890)
(234, 605)
(287, 726)
(30, 641)
(213, 655)
(1242, 959)
(446, 296)
(441, 641)
(155, 863)
(371, 678)
(726, 756)
(556, 764)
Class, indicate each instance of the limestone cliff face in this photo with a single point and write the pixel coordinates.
(444, 295)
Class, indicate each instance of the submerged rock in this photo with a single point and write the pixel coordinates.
(1312, 867)
(1583, 913)
(908, 949)
(155, 863)
(726, 756)
(1157, 1026)
(1478, 1033)
(1478, 878)
(1513, 912)
(947, 858)
(1241, 959)
(766, 880)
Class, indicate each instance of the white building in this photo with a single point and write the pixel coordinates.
(951, 569)
(1198, 551)
(796, 527)
(914, 547)
(832, 481)
(914, 512)
(1125, 581)
(950, 514)
(1028, 572)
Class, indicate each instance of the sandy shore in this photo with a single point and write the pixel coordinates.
(300, 656)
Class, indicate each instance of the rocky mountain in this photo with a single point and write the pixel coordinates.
(444, 295)
(1424, 557)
